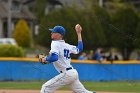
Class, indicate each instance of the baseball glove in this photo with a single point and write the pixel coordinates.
(41, 58)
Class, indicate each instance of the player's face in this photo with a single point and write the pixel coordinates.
(56, 36)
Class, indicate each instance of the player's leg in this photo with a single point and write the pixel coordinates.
(58, 81)
(53, 84)
(78, 87)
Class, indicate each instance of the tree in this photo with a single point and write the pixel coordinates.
(104, 19)
(40, 6)
(125, 22)
(113, 5)
(64, 17)
(137, 37)
(22, 34)
(69, 17)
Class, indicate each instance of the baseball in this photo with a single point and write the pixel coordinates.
(78, 26)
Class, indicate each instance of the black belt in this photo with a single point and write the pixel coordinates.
(66, 69)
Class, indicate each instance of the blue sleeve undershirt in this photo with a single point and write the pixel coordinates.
(80, 46)
(52, 58)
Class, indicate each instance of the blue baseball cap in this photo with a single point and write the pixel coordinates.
(58, 29)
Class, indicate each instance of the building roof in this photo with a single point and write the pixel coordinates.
(22, 13)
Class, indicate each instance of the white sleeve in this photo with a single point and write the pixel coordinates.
(73, 49)
(54, 48)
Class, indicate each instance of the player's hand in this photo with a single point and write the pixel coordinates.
(42, 58)
(78, 28)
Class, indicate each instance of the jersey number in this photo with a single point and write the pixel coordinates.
(66, 54)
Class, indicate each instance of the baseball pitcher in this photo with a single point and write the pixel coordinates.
(60, 57)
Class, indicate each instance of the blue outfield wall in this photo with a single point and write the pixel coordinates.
(23, 70)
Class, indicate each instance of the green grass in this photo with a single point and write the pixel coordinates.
(97, 86)
(114, 86)
(21, 85)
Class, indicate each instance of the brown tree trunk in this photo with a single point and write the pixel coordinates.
(126, 52)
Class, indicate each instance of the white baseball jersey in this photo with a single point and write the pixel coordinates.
(63, 50)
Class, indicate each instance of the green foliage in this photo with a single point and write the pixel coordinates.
(64, 17)
(22, 34)
(113, 5)
(69, 17)
(93, 29)
(100, 29)
(40, 8)
(103, 18)
(137, 37)
(125, 20)
(11, 51)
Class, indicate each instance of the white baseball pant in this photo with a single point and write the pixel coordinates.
(69, 78)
